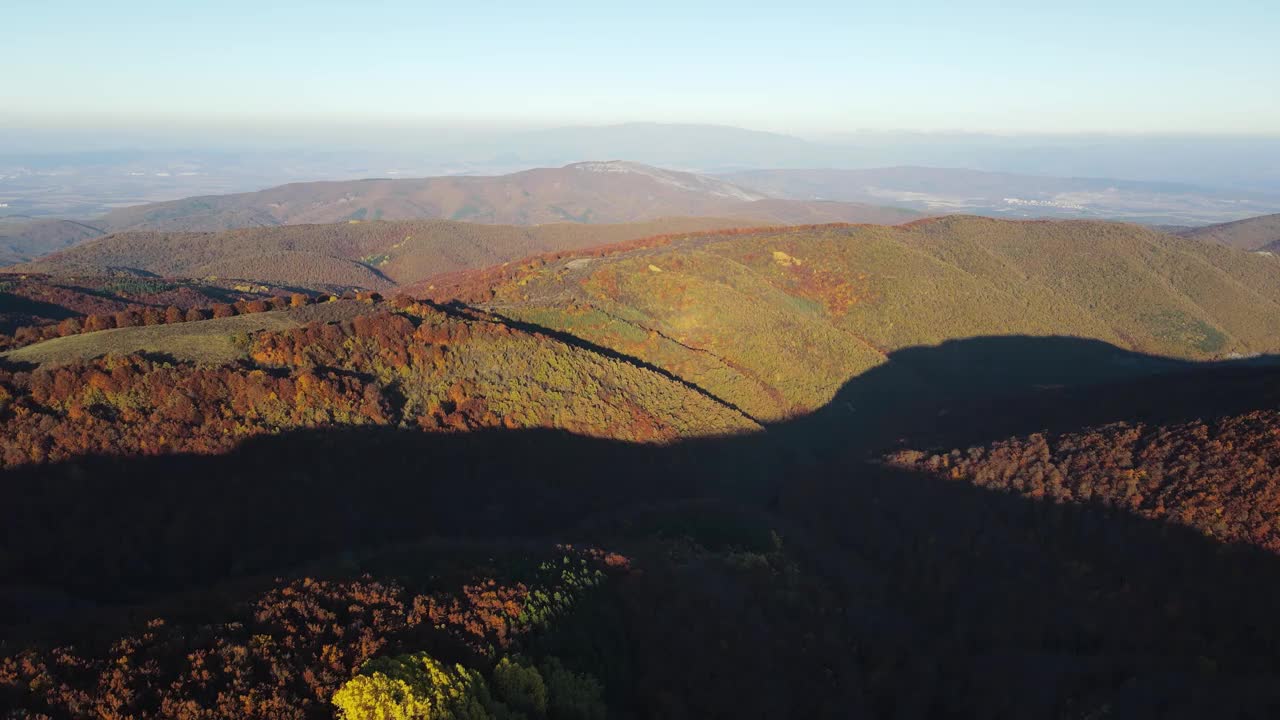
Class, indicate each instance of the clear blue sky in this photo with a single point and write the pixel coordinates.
(1084, 65)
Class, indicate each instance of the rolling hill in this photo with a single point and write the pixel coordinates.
(587, 192)
(446, 486)
(1256, 233)
(584, 193)
(775, 320)
(375, 255)
(962, 467)
(23, 240)
(39, 303)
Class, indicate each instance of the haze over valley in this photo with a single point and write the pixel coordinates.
(1192, 180)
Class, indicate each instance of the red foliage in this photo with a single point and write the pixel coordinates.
(1221, 478)
(477, 285)
(70, 326)
(131, 405)
(127, 318)
(94, 323)
(281, 655)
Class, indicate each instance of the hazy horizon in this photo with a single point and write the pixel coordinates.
(45, 138)
(809, 69)
(107, 105)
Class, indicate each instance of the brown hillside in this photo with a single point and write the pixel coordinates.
(1255, 233)
(293, 268)
(592, 193)
(21, 241)
(40, 302)
(373, 255)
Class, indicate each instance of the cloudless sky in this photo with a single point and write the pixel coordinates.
(801, 67)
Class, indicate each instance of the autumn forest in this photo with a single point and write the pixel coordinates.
(960, 467)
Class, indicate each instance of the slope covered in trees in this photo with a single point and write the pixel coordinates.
(1216, 476)
(588, 192)
(414, 368)
(22, 240)
(581, 193)
(762, 577)
(40, 307)
(371, 255)
(701, 475)
(775, 320)
(1256, 233)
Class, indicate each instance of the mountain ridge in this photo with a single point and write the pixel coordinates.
(375, 255)
(586, 192)
(847, 295)
(1255, 233)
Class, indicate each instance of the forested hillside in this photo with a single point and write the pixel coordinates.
(1256, 233)
(962, 468)
(370, 255)
(587, 193)
(775, 320)
(39, 307)
(22, 240)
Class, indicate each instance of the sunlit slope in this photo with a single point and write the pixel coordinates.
(218, 340)
(1144, 290)
(776, 321)
(205, 386)
(371, 255)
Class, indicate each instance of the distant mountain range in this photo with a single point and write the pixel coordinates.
(588, 192)
(613, 192)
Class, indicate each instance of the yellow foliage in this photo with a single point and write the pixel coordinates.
(412, 687)
(785, 260)
(378, 697)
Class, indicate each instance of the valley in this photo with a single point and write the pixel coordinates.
(995, 194)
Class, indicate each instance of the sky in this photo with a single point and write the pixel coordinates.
(806, 68)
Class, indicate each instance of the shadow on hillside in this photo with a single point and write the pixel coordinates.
(973, 391)
(956, 600)
(17, 305)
